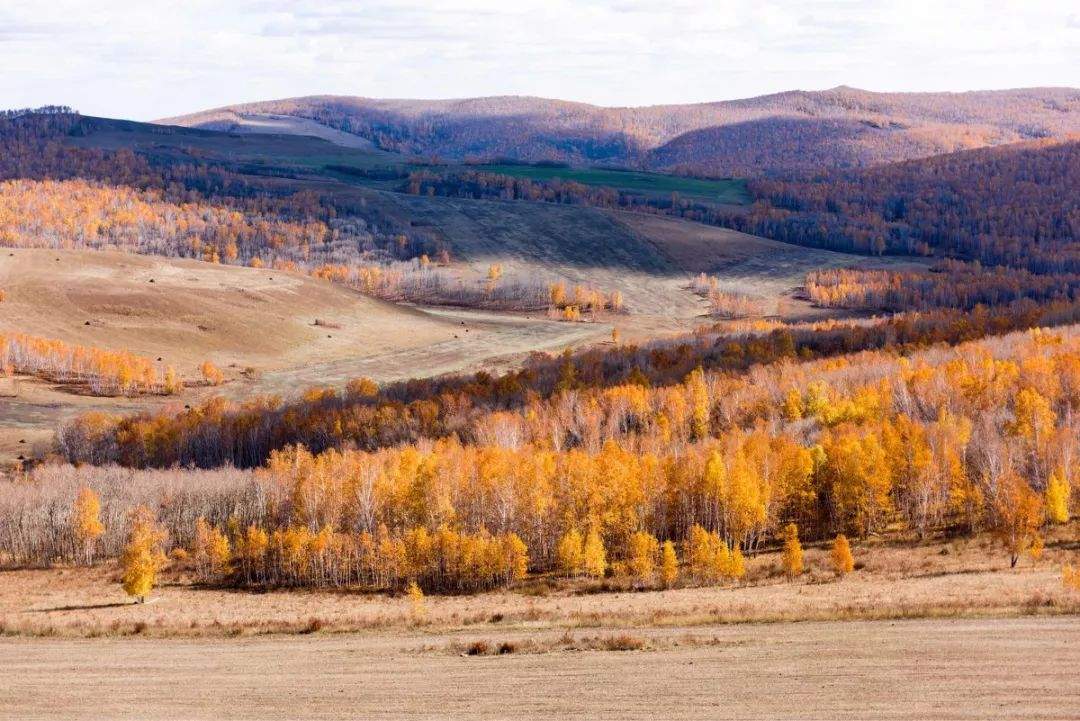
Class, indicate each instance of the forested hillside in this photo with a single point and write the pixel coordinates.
(788, 132)
(1017, 205)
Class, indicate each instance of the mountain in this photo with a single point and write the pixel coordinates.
(794, 131)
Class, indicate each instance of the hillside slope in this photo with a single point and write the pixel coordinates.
(1017, 205)
(796, 130)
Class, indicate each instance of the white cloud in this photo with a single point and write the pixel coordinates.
(161, 57)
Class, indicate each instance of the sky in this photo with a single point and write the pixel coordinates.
(157, 58)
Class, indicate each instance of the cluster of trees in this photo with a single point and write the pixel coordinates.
(421, 281)
(65, 196)
(726, 304)
(179, 203)
(980, 437)
(951, 283)
(86, 214)
(481, 185)
(101, 372)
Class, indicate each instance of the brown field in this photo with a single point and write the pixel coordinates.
(258, 325)
(923, 669)
(942, 631)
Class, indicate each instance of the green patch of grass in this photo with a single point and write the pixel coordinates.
(724, 190)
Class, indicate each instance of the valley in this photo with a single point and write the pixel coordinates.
(763, 408)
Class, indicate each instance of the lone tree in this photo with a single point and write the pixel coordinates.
(792, 557)
(211, 373)
(86, 522)
(840, 556)
(143, 556)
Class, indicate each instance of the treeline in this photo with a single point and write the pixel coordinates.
(1014, 205)
(982, 436)
(220, 432)
(101, 372)
(949, 284)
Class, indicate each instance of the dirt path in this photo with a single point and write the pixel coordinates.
(960, 669)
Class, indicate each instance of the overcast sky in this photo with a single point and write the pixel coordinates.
(156, 58)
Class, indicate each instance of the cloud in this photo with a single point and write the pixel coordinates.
(158, 57)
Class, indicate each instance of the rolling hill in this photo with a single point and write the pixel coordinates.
(784, 132)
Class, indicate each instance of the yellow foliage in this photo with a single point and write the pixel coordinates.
(211, 373)
(569, 553)
(86, 521)
(699, 404)
(792, 556)
(211, 551)
(517, 557)
(1057, 498)
(840, 556)
(1070, 577)
(669, 564)
(143, 557)
(172, 383)
(361, 388)
(417, 605)
(1018, 513)
(641, 561)
(594, 556)
(1035, 550)
(793, 409)
(1034, 418)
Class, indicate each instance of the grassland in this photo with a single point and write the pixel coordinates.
(937, 631)
(725, 191)
(928, 669)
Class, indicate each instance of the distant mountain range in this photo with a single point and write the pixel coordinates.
(790, 132)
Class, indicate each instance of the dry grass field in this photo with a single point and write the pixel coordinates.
(925, 669)
(941, 631)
